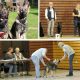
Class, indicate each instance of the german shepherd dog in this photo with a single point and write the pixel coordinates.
(50, 67)
(59, 28)
(18, 29)
(4, 30)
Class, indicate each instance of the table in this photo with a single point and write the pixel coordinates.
(12, 61)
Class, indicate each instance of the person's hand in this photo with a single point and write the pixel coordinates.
(59, 61)
(47, 19)
(28, 59)
(78, 15)
(1, 19)
(55, 21)
(49, 59)
(45, 65)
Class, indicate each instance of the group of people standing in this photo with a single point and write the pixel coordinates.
(50, 15)
(39, 55)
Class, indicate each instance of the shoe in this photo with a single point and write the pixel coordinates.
(69, 75)
(51, 36)
(38, 77)
(29, 75)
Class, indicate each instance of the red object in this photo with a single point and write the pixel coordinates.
(1, 34)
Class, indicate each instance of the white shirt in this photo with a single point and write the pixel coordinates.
(79, 12)
(19, 56)
(40, 53)
(52, 13)
(68, 50)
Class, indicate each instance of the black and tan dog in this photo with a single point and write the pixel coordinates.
(59, 28)
(50, 67)
(18, 29)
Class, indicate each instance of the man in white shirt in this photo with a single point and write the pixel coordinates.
(18, 56)
(50, 15)
(68, 51)
(38, 56)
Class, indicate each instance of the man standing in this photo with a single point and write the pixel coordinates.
(68, 51)
(38, 56)
(50, 15)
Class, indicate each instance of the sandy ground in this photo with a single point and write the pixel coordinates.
(58, 75)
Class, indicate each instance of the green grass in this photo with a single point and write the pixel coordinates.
(12, 17)
(33, 24)
(32, 32)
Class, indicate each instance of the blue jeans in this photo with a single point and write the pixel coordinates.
(71, 64)
(12, 68)
(36, 63)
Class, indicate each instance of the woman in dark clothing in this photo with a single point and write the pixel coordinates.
(76, 15)
(12, 66)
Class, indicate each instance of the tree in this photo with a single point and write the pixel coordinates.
(3, 2)
(33, 2)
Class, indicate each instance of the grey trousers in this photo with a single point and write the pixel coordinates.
(50, 29)
(36, 63)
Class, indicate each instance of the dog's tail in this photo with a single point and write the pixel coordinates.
(13, 29)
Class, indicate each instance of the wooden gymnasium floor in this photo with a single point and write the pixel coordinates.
(58, 75)
(63, 37)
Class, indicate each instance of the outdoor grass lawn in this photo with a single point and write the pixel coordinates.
(32, 32)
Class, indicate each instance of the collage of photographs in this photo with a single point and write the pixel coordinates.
(39, 39)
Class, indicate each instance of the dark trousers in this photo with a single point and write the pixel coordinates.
(71, 64)
(76, 27)
(20, 66)
(79, 31)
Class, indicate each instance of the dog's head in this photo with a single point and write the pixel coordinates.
(52, 65)
(22, 13)
(56, 61)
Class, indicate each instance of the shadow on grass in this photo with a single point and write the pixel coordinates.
(34, 7)
(34, 13)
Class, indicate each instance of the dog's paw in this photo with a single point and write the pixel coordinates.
(45, 76)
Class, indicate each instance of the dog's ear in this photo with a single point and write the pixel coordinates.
(57, 61)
